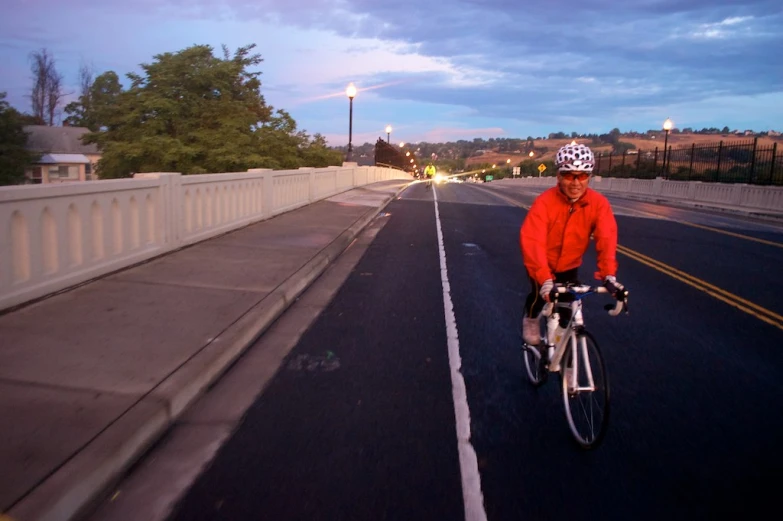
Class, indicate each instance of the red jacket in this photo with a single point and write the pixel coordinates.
(556, 233)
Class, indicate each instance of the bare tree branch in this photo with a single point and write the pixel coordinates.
(47, 86)
(86, 79)
(54, 95)
(39, 61)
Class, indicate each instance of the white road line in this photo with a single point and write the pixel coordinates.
(472, 496)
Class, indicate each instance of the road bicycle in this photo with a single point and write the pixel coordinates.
(574, 353)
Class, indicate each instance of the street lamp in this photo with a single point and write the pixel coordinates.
(667, 126)
(531, 154)
(388, 133)
(402, 144)
(351, 93)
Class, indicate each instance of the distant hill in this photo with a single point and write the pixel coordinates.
(545, 149)
(463, 153)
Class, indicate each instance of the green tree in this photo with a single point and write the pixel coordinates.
(78, 110)
(318, 154)
(189, 112)
(14, 157)
(622, 146)
(101, 111)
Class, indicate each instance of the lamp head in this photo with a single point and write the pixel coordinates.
(351, 90)
(667, 125)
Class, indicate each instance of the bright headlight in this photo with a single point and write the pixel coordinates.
(438, 178)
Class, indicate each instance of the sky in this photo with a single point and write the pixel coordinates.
(444, 70)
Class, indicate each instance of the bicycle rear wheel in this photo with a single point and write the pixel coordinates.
(585, 391)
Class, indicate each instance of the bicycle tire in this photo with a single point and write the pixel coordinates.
(587, 411)
(536, 371)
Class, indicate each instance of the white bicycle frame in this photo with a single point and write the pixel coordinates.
(557, 348)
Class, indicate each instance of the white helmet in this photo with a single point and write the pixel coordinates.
(575, 157)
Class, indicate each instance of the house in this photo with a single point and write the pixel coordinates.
(64, 158)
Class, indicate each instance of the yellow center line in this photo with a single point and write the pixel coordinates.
(710, 228)
(764, 314)
(768, 316)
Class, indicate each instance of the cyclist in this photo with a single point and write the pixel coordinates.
(429, 173)
(557, 230)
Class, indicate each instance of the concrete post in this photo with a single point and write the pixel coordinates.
(267, 201)
(170, 221)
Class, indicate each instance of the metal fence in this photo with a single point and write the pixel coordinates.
(723, 162)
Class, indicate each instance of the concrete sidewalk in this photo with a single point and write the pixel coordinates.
(91, 377)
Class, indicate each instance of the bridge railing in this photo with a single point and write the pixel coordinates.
(751, 197)
(56, 236)
(721, 162)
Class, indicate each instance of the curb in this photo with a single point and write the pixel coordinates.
(79, 484)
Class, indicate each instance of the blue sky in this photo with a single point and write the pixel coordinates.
(446, 70)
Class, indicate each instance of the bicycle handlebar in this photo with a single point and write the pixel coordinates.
(621, 294)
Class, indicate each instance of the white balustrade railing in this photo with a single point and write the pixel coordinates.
(749, 197)
(56, 236)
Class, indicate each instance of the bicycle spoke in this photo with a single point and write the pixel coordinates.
(587, 410)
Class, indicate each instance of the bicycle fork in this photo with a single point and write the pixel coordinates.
(557, 349)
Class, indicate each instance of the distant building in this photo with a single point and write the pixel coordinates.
(64, 158)
(773, 133)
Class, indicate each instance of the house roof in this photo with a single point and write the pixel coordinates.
(58, 140)
(52, 159)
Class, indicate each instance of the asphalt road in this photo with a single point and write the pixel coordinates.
(360, 423)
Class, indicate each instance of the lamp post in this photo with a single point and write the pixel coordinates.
(351, 93)
(388, 133)
(667, 126)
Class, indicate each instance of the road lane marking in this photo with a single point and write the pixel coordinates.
(657, 216)
(764, 314)
(741, 236)
(709, 228)
(472, 497)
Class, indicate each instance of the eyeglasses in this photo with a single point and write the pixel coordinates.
(570, 176)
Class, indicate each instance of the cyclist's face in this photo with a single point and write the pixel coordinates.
(573, 184)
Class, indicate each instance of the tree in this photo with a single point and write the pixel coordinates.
(14, 157)
(189, 112)
(622, 146)
(79, 111)
(317, 153)
(47, 86)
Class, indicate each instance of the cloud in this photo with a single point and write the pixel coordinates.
(484, 66)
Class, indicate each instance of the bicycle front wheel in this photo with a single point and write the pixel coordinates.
(534, 367)
(536, 372)
(585, 390)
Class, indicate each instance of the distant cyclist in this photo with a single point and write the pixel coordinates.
(557, 230)
(429, 174)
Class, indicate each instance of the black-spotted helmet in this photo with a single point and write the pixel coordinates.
(575, 157)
